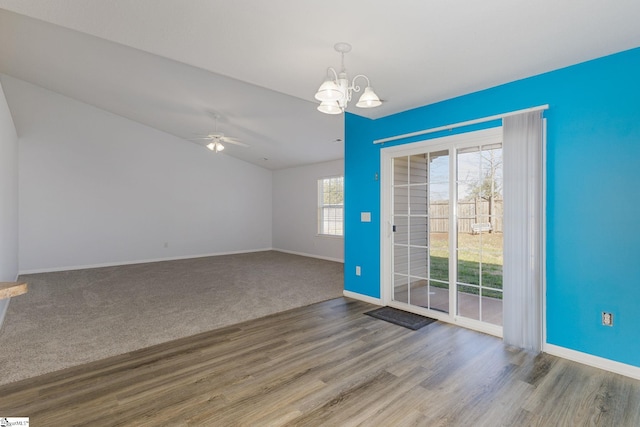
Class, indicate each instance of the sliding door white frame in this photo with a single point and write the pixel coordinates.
(543, 238)
(386, 254)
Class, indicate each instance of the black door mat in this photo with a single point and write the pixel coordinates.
(401, 318)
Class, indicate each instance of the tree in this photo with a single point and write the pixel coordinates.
(489, 186)
(332, 191)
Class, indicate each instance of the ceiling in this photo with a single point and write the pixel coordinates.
(171, 64)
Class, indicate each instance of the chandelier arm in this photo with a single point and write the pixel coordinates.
(357, 88)
(335, 73)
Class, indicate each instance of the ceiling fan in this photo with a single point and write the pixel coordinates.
(217, 138)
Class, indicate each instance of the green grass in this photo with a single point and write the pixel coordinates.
(471, 248)
(469, 273)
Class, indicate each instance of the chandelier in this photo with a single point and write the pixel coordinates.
(335, 93)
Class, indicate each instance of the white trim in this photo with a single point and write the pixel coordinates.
(362, 297)
(386, 254)
(460, 124)
(591, 360)
(543, 240)
(326, 258)
(142, 261)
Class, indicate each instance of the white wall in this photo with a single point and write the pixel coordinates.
(8, 193)
(98, 189)
(295, 211)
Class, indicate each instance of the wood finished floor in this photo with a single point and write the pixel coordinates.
(328, 364)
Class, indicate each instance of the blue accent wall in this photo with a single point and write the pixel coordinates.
(593, 195)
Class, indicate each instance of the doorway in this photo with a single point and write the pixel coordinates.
(442, 244)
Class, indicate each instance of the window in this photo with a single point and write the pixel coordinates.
(330, 205)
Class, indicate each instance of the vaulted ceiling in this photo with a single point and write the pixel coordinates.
(173, 64)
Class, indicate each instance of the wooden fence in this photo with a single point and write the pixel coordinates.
(469, 212)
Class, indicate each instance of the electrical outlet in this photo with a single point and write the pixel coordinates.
(358, 270)
(607, 318)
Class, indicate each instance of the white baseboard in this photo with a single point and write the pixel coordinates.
(361, 297)
(309, 255)
(595, 361)
(142, 261)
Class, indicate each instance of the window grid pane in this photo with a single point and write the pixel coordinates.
(331, 206)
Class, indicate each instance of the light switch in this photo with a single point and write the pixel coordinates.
(365, 216)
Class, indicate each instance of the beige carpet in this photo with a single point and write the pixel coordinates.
(73, 317)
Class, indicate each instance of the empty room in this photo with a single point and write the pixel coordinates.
(232, 213)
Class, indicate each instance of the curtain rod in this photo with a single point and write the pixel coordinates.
(460, 124)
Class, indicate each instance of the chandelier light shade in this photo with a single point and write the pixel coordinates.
(329, 91)
(336, 91)
(330, 107)
(369, 99)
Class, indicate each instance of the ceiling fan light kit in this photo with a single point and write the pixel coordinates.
(336, 91)
(215, 146)
(216, 139)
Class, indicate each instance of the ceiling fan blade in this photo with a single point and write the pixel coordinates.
(234, 141)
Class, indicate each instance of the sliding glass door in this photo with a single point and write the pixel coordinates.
(420, 222)
(444, 209)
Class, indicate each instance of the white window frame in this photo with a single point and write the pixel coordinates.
(330, 227)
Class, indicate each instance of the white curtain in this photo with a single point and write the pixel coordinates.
(522, 274)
